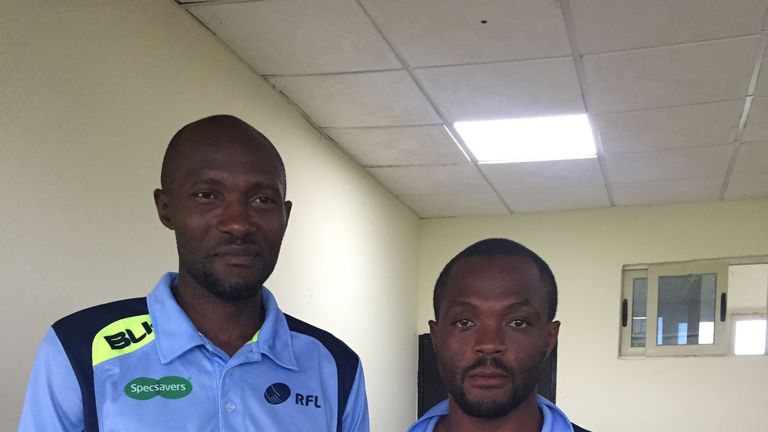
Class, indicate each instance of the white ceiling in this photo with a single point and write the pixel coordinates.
(676, 90)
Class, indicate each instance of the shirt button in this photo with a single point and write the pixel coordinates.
(229, 406)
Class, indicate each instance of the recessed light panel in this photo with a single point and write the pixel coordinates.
(529, 139)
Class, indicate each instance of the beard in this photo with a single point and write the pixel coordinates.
(229, 291)
(523, 384)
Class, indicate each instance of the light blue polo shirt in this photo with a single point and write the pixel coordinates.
(554, 419)
(141, 365)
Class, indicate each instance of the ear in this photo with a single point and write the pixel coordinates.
(433, 332)
(288, 207)
(161, 204)
(553, 330)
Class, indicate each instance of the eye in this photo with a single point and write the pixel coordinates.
(518, 323)
(263, 199)
(204, 195)
(463, 323)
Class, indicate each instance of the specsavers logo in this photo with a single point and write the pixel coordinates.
(170, 387)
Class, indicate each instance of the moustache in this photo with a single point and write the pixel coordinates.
(486, 362)
(236, 247)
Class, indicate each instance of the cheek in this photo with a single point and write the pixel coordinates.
(455, 350)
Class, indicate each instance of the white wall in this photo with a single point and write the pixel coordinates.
(90, 94)
(586, 250)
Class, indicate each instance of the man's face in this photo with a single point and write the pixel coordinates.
(227, 207)
(492, 335)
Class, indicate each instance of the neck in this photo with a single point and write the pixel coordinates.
(525, 418)
(227, 324)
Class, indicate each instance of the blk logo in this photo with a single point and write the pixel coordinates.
(125, 338)
(277, 393)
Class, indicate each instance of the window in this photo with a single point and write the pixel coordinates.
(682, 309)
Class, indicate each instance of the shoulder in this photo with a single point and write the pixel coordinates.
(428, 421)
(96, 317)
(76, 332)
(343, 355)
(577, 428)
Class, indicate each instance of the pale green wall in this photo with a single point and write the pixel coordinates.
(586, 250)
(90, 94)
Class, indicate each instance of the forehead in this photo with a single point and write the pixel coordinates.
(234, 152)
(495, 280)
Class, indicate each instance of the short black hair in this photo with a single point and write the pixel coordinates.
(499, 247)
(220, 120)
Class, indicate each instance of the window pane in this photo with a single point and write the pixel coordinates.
(639, 300)
(686, 309)
(749, 337)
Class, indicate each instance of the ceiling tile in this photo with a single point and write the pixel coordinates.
(757, 122)
(412, 145)
(677, 75)
(667, 191)
(504, 90)
(548, 174)
(567, 198)
(747, 186)
(299, 36)
(445, 32)
(432, 180)
(455, 205)
(667, 128)
(752, 158)
(698, 162)
(359, 100)
(613, 25)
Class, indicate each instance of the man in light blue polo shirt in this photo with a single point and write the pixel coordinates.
(495, 304)
(208, 349)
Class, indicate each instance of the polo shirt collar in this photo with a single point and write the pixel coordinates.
(175, 334)
(554, 420)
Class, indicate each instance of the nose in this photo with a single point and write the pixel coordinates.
(236, 219)
(489, 340)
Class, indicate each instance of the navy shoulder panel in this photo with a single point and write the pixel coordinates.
(576, 428)
(347, 362)
(76, 333)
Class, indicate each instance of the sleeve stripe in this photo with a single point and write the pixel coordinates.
(347, 361)
(76, 333)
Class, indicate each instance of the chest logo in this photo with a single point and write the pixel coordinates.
(277, 393)
(169, 387)
(122, 337)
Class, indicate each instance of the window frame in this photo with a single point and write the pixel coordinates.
(720, 343)
(625, 343)
(723, 329)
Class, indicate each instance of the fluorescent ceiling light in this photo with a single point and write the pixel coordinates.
(529, 139)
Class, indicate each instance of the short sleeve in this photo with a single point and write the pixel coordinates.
(53, 401)
(356, 414)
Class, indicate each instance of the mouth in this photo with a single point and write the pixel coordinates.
(488, 378)
(238, 255)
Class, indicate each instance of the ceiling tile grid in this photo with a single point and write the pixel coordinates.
(667, 191)
(674, 164)
(432, 179)
(673, 75)
(388, 98)
(451, 32)
(455, 204)
(676, 90)
(543, 175)
(668, 128)
(619, 25)
(399, 146)
(563, 198)
(504, 90)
